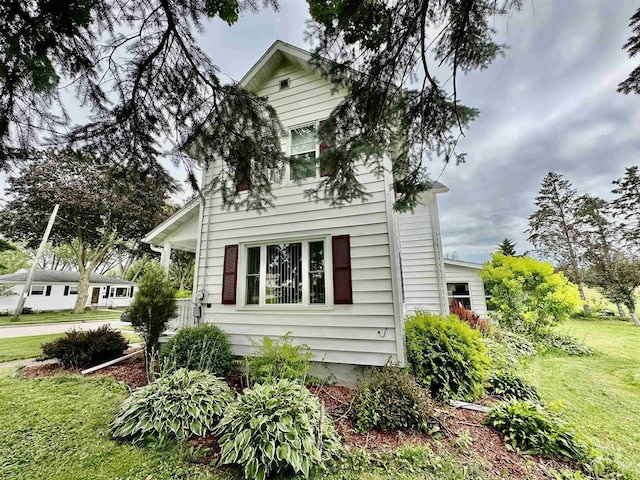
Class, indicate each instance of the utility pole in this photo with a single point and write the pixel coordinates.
(34, 266)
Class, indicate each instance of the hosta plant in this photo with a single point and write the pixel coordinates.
(179, 405)
(507, 385)
(274, 428)
(529, 428)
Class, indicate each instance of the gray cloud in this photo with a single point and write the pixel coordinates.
(550, 105)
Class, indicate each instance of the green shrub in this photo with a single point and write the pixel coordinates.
(153, 306)
(392, 400)
(274, 428)
(507, 385)
(86, 348)
(528, 428)
(275, 359)
(184, 294)
(178, 405)
(446, 355)
(566, 343)
(518, 345)
(205, 348)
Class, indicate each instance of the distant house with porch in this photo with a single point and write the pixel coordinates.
(58, 290)
(341, 280)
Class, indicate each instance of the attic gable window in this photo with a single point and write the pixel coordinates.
(284, 84)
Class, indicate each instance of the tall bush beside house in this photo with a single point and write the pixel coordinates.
(446, 355)
(527, 294)
(205, 348)
(153, 306)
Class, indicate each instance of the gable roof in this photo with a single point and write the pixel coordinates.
(462, 263)
(278, 53)
(60, 276)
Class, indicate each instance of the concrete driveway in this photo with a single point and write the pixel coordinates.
(46, 328)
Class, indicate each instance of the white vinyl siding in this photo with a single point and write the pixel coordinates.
(362, 333)
(422, 269)
(460, 274)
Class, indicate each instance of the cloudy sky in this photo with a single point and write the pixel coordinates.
(549, 105)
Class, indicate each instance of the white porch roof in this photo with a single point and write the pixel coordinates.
(180, 231)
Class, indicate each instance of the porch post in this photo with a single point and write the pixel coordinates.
(165, 258)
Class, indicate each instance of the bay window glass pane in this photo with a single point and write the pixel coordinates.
(253, 276)
(284, 274)
(316, 273)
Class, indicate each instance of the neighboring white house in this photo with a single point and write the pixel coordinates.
(58, 290)
(339, 279)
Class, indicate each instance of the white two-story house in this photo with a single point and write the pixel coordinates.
(339, 279)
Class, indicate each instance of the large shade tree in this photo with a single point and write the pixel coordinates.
(626, 206)
(150, 88)
(100, 206)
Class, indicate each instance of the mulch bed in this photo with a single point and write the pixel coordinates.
(484, 443)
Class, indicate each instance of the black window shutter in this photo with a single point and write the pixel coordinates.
(106, 292)
(131, 291)
(66, 290)
(341, 249)
(48, 292)
(230, 275)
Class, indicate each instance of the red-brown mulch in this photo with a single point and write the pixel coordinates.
(485, 444)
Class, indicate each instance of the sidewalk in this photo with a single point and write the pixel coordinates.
(47, 328)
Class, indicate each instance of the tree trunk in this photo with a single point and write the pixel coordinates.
(620, 309)
(583, 297)
(632, 310)
(83, 291)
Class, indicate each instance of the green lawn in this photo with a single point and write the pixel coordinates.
(599, 394)
(29, 347)
(61, 316)
(58, 429)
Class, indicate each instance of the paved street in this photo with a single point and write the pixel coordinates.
(46, 328)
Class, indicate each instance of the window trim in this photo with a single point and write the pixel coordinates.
(305, 305)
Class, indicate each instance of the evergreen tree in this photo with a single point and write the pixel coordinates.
(632, 83)
(152, 308)
(555, 228)
(139, 70)
(507, 247)
(626, 206)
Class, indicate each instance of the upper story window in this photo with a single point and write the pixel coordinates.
(302, 163)
(284, 84)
